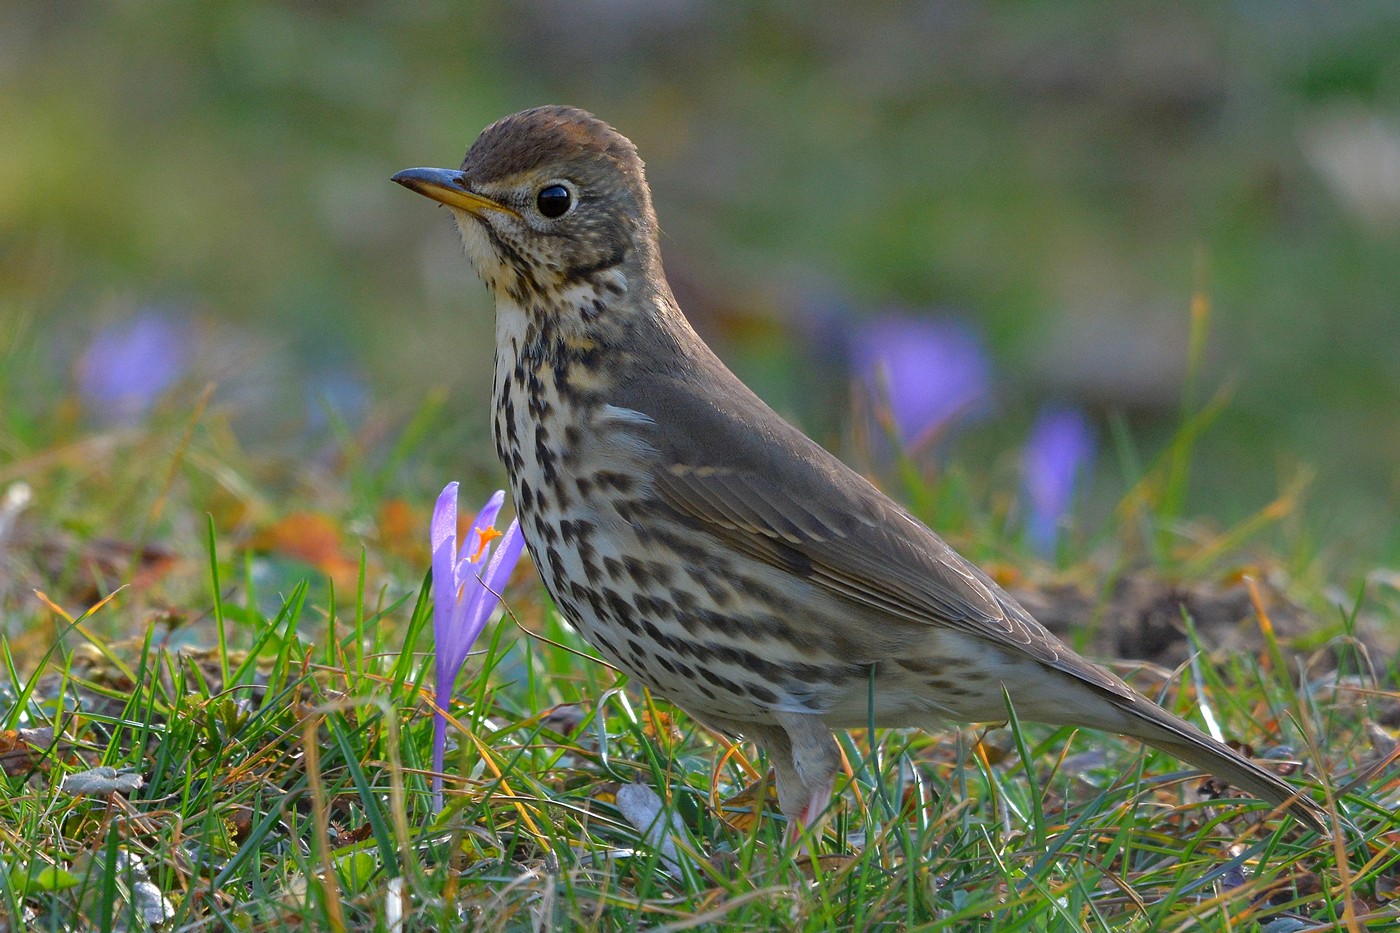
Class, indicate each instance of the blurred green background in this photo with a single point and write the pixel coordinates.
(1060, 176)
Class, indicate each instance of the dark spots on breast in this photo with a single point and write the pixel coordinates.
(656, 635)
(714, 587)
(686, 604)
(584, 486)
(588, 555)
(546, 530)
(524, 497)
(617, 606)
(508, 415)
(761, 693)
(545, 457)
(720, 622)
(593, 598)
(930, 666)
(787, 673)
(723, 683)
(638, 571)
(660, 608)
(612, 479)
(592, 310)
(761, 592)
(556, 564)
(619, 611)
(688, 551)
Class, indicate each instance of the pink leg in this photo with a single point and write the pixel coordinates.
(815, 760)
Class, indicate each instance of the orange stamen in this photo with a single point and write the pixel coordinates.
(484, 537)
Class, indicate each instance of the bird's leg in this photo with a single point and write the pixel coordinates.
(811, 769)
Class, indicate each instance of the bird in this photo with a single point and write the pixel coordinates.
(704, 545)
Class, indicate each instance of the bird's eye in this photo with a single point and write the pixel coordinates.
(554, 201)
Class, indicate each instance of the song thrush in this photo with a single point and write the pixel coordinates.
(700, 542)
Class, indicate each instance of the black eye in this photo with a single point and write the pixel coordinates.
(554, 201)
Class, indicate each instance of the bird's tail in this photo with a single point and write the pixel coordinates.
(1182, 740)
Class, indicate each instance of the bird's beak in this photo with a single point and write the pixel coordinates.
(447, 186)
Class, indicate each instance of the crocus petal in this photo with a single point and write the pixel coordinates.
(931, 372)
(496, 574)
(130, 364)
(1058, 451)
(486, 518)
(506, 556)
(443, 538)
(482, 597)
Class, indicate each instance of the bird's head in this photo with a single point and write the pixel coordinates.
(553, 207)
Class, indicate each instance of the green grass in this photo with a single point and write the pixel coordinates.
(279, 718)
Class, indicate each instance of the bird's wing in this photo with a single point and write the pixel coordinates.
(739, 472)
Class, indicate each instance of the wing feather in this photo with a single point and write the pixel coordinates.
(791, 504)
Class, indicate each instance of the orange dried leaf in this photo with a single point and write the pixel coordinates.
(401, 530)
(742, 810)
(312, 538)
(23, 750)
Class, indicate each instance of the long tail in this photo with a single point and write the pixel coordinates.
(1183, 740)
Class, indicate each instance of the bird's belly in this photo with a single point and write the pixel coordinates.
(676, 621)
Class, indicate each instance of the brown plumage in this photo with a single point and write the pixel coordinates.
(703, 544)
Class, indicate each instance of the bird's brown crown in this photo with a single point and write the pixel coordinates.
(549, 137)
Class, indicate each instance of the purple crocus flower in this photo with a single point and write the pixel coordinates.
(130, 363)
(1059, 450)
(931, 372)
(466, 581)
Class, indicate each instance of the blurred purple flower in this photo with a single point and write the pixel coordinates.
(130, 363)
(931, 372)
(464, 596)
(1059, 450)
